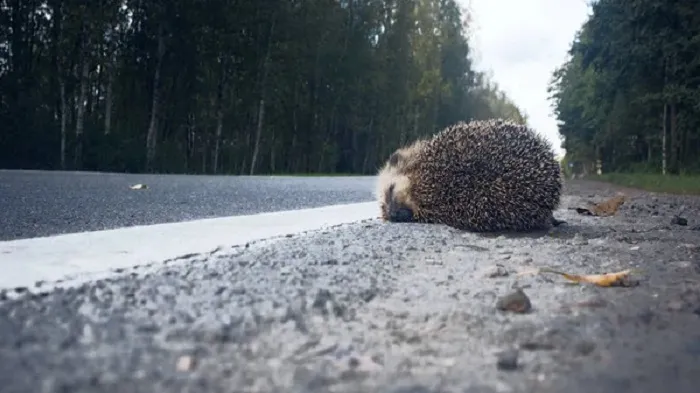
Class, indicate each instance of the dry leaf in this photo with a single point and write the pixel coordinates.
(602, 280)
(604, 209)
(139, 187)
(529, 271)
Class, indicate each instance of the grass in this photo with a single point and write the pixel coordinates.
(674, 184)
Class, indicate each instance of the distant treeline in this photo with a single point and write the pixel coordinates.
(232, 86)
(630, 94)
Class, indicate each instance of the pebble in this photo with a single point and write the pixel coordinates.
(495, 271)
(516, 301)
(675, 305)
(184, 363)
(508, 360)
(579, 240)
(584, 347)
(678, 220)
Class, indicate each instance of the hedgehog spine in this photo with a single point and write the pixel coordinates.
(481, 176)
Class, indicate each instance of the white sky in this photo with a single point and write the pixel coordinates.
(521, 43)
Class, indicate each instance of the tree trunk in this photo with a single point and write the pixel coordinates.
(204, 157)
(64, 120)
(673, 126)
(258, 133)
(109, 102)
(217, 142)
(191, 133)
(59, 83)
(272, 153)
(80, 116)
(219, 116)
(155, 104)
(664, 122)
(367, 147)
(263, 96)
(416, 117)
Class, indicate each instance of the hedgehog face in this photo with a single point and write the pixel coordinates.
(396, 204)
(394, 189)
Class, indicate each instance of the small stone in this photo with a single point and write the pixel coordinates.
(678, 220)
(675, 305)
(646, 316)
(185, 363)
(579, 240)
(593, 302)
(495, 271)
(537, 346)
(508, 360)
(516, 301)
(584, 347)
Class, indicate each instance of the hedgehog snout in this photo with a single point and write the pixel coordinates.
(399, 213)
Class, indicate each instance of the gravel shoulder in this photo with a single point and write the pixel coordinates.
(377, 307)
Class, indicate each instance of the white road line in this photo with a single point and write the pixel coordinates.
(23, 262)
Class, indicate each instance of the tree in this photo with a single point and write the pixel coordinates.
(232, 86)
(628, 94)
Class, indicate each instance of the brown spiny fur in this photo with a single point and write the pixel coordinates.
(481, 176)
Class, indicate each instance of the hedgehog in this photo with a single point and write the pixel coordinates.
(478, 176)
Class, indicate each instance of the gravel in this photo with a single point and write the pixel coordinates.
(378, 307)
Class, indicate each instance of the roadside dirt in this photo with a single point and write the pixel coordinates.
(378, 307)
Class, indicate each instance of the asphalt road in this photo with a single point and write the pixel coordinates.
(38, 203)
(377, 307)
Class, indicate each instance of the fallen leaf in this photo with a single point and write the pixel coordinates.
(139, 187)
(606, 208)
(602, 280)
(528, 271)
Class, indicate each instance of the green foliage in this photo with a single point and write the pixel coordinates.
(629, 90)
(674, 184)
(99, 85)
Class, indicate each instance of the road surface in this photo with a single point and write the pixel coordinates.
(377, 307)
(39, 203)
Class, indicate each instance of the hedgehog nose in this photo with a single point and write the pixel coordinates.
(401, 214)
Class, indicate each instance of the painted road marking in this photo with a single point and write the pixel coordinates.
(23, 262)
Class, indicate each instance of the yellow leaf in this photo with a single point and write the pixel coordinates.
(602, 280)
(604, 209)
